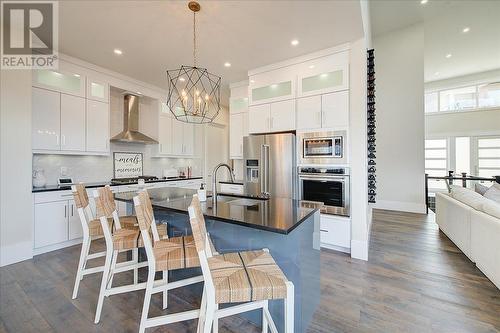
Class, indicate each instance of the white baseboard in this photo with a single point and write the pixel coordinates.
(14, 253)
(359, 249)
(401, 206)
(336, 248)
(57, 246)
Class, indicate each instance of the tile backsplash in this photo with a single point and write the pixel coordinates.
(100, 168)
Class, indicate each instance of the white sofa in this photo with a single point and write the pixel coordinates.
(474, 232)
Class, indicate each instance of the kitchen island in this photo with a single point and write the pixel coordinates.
(288, 228)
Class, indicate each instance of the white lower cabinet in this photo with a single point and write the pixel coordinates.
(231, 188)
(51, 223)
(74, 224)
(336, 232)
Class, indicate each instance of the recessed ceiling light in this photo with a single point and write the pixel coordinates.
(227, 64)
(465, 30)
(118, 51)
(294, 42)
(76, 75)
(274, 86)
(448, 56)
(423, 2)
(311, 67)
(57, 74)
(437, 73)
(252, 81)
(138, 93)
(182, 79)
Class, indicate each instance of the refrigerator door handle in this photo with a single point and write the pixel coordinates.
(264, 185)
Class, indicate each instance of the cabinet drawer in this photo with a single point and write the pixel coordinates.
(336, 231)
(53, 196)
(231, 188)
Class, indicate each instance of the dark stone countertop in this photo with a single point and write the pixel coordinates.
(279, 215)
(236, 182)
(49, 188)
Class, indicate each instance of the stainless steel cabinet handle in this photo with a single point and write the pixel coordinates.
(272, 122)
(65, 208)
(72, 211)
(323, 230)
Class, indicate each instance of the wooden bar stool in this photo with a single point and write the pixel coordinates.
(92, 230)
(164, 255)
(250, 277)
(118, 240)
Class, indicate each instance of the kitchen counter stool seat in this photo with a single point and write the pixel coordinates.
(164, 255)
(251, 278)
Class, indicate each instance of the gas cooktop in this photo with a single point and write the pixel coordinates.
(133, 180)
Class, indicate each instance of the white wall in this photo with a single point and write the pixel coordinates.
(16, 213)
(469, 123)
(399, 67)
(360, 211)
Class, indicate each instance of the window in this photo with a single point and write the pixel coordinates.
(474, 97)
(489, 95)
(488, 156)
(457, 99)
(436, 161)
(462, 155)
(431, 102)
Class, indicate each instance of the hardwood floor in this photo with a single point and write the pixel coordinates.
(416, 280)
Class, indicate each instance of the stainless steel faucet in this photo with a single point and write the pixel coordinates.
(214, 182)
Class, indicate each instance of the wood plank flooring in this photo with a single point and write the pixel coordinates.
(416, 280)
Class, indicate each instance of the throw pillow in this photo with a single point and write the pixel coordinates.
(493, 193)
(480, 188)
(492, 208)
(466, 196)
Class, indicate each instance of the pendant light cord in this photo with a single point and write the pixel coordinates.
(194, 39)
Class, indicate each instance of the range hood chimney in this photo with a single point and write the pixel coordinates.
(130, 131)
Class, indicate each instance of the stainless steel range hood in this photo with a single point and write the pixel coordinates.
(130, 131)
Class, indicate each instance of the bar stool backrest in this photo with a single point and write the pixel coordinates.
(107, 206)
(83, 206)
(149, 221)
(145, 219)
(202, 243)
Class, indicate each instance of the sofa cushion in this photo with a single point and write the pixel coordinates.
(480, 188)
(493, 193)
(466, 196)
(492, 208)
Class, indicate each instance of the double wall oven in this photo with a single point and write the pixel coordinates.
(320, 176)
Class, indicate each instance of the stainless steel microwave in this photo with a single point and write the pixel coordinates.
(322, 148)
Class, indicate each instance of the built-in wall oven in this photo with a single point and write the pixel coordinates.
(322, 148)
(329, 185)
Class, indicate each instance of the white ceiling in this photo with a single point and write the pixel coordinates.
(472, 52)
(157, 35)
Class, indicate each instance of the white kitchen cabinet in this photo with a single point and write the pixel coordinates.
(72, 123)
(231, 188)
(272, 117)
(335, 232)
(97, 90)
(51, 223)
(335, 109)
(165, 134)
(188, 139)
(272, 85)
(97, 126)
(72, 83)
(282, 116)
(177, 138)
(259, 118)
(238, 105)
(309, 112)
(46, 119)
(74, 224)
(335, 79)
(236, 133)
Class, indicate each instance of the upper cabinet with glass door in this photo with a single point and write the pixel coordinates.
(272, 86)
(62, 81)
(97, 90)
(324, 75)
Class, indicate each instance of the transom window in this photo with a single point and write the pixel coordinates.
(465, 98)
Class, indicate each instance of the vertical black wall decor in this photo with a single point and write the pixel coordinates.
(371, 124)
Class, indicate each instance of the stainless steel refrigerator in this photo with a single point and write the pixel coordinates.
(270, 165)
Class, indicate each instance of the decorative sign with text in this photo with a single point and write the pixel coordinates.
(127, 165)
